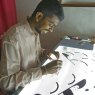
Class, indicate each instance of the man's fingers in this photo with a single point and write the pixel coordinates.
(59, 61)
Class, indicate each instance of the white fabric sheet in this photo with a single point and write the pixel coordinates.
(75, 78)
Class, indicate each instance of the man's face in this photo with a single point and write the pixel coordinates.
(47, 24)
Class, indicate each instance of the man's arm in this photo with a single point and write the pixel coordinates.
(10, 74)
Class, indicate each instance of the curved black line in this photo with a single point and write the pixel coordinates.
(85, 54)
(83, 62)
(55, 89)
(73, 80)
(79, 61)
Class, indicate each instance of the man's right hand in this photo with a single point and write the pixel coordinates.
(52, 67)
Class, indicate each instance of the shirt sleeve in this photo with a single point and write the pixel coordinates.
(10, 58)
(11, 76)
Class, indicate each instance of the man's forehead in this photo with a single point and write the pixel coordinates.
(54, 19)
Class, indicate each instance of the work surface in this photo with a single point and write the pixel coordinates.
(76, 76)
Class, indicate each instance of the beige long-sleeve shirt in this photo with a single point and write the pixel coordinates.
(20, 61)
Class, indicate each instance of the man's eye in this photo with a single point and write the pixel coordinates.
(51, 25)
(54, 25)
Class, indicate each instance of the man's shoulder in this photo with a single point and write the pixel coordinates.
(19, 25)
(15, 29)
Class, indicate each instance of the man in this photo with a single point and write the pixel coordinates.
(21, 55)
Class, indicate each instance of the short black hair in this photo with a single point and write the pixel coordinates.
(49, 8)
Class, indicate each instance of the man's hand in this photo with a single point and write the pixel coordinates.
(48, 54)
(52, 67)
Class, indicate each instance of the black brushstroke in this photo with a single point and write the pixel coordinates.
(86, 89)
(80, 84)
(73, 80)
(70, 53)
(79, 61)
(84, 62)
(85, 54)
(86, 57)
(69, 91)
(66, 55)
(55, 89)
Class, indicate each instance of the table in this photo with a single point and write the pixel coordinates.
(76, 76)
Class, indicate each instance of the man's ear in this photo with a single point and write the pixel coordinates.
(39, 16)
